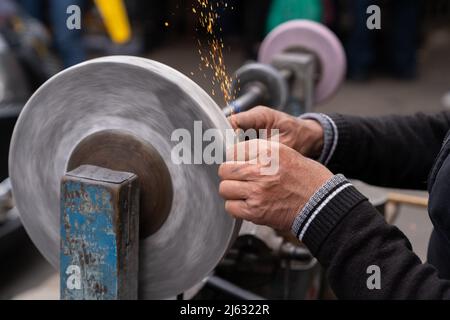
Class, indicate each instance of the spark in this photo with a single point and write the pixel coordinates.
(211, 50)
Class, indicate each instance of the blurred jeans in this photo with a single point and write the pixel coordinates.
(68, 42)
(402, 39)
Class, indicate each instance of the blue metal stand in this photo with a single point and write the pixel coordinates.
(99, 235)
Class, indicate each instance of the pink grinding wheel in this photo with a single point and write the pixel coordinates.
(311, 37)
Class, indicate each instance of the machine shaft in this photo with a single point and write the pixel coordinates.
(253, 96)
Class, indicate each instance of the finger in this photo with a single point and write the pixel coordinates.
(234, 190)
(238, 209)
(255, 118)
(238, 152)
(239, 171)
(247, 150)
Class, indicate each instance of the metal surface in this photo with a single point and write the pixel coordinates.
(232, 290)
(12, 234)
(310, 37)
(302, 80)
(11, 230)
(112, 149)
(132, 97)
(13, 82)
(266, 234)
(258, 84)
(99, 235)
(250, 99)
(6, 200)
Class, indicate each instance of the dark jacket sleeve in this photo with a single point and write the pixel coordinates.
(389, 151)
(348, 236)
(364, 239)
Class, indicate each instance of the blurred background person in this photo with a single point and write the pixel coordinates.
(285, 10)
(399, 37)
(67, 42)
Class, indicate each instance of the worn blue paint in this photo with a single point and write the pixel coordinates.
(99, 257)
(88, 242)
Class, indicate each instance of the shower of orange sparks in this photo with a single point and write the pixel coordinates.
(212, 56)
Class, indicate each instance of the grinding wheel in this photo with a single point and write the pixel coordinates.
(120, 112)
(310, 37)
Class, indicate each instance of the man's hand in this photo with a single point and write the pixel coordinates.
(271, 200)
(304, 136)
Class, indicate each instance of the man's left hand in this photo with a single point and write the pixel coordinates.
(266, 197)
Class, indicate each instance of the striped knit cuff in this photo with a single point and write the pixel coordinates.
(346, 139)
(324, 211)
(330, 135)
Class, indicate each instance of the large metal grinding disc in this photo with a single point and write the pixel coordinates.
(311, 37)
(120, 112)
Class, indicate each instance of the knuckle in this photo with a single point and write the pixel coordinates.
(273, 181)
(251, 205)
(260, 109)
(255, 204)
(246, 211)
(255, 189)
(254, 171)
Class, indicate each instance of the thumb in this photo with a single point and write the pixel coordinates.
(255, 118)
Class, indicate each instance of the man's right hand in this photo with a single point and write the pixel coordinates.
(304, 136)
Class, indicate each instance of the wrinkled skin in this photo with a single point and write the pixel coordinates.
(304, 136)
(272, 200)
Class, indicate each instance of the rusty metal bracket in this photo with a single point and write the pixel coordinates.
(99, 235)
